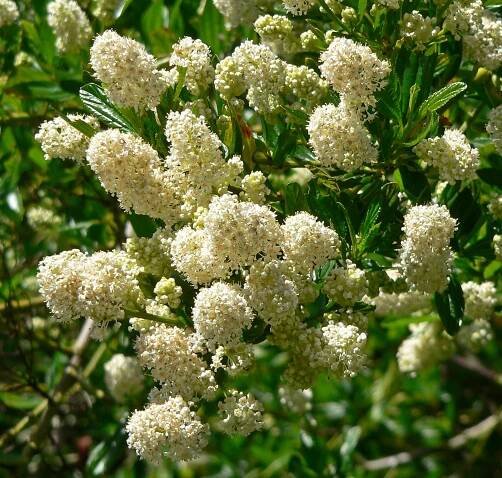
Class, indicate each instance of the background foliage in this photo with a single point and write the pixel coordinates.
(56, 415)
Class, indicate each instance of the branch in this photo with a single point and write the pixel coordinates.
(472, 364)
(480, 430)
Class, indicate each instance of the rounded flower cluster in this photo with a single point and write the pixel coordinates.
(123, 377)
(418, 29)
(354, 71)
(495, 207)
(298, 7)
(152, 254)
(339, 138)
(346, 285)
(240, 414)
(195, 57)
(131, 169)
(476, 335)
(171, 355)
(128, 71)
(254, 188)
(306, 85)
(276, 31)
(39, 217)
(451, 154)
(480, 299)
(59, 139)
(400, 303)
(494, 127)
(167, 429)
(425, 251)
(343, 351)
(307, 243)
(9, 12)
(167, 292)
(70, 24)
(461, 16)
(240, 12)
(348, 317)
(220, 314)
(427, 345)
(295, 400)
(98, 287)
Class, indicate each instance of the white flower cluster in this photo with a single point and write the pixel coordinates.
(296, 400)
(476, 335)
(276, 31)
(254, 188)
(495, 207)
(167, 429)
(427, 345)
(451, 154)
(390, 4)
(339, 138)
(298, 7)
(494, 127)
(167, 292)
(241, 12)
(59, 139)
(461, 15)
(240, 414)
(401, 303)
(152, 253)
(346, 285)
(128, 72)
(104, 10)
(354, 71)
(123, 377)
(98, 287)
(9, 13)
(480, 299)
(40, 217)
(70, 24)
(418, 29)
(195, 57)
(426, 255)
(497, 246)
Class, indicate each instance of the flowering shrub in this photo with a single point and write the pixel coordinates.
(329, 174)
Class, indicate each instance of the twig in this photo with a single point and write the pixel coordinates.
(480, 430)
(474, 365)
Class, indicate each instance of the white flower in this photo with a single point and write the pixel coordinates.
(220, 314)
(497, 246)
(480, 299)
(195, 57)
(40, 217)
(105, 9)
(400, 303)
(483, 43)
(475, 335)
(461, 16)
(9, 12)
(427, 345)
(254, 188)
(59, 139)
(296, 400)
(354, 71)
(298, 7)
(495, 207)
(70, 24)
(418, 29)
(123, 377)
(494, 127)
(390, 4)
(240, 12)
(127, 71)
(276, 31)
(132, 170)
(346, 285)
(170, 354)
(240, 414)
(168, 429)
(451, 154)
(339, 138)
(167, 292)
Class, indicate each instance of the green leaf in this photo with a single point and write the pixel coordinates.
(143, 225)
(20, 401)
(294, 199)
(85, 128)
(97, 103)
(414, 183)
(440, 98)
(491, 176)
(450, 306)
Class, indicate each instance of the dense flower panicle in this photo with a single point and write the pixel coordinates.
(298, 7)
(307, 242)
(295, 400)
(195, 57)
(475, 336)
(168, 429)
(229, 80)
(240, 12)
(401, 303)
(494, 127)
(234, 360)
(427, 345)
(343, 351)
(270, 292)
(354, 71)
(128, 72)
(346, 285)
(167, 292)
(276, 31)
(484, 43)
(170, 354)
(59, 139)
(451, 154)
(426, 256)
(152, 254)
(348, 317)
(480, 299)
(462, 16)
(418, 29)
(240, 414)
(9, 12)
(220, 314)
(70, 25)
(97, 287)
(40, 217)
(339, 138)
(254, 188)
(59, 281)
(131, 170)
(123, 377)
(305, 84)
